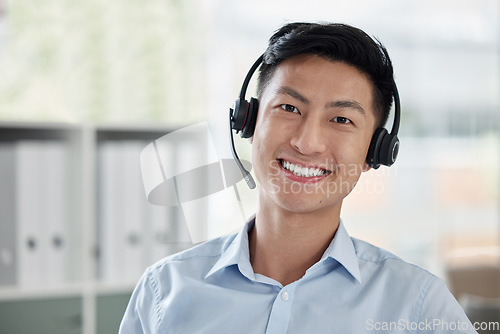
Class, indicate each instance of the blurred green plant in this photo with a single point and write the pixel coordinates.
(101, 61)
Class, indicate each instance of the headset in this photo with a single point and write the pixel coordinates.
(384, 146)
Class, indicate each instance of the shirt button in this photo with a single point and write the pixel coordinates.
(284, 296)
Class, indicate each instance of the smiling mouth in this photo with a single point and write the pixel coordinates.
(303, 171)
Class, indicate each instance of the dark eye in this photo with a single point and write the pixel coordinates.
(289, 108)
(341, 120)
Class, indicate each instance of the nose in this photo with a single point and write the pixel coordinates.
(308, 138)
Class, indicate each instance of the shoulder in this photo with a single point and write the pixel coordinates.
(427, 294)
(196, 260)
(378, 264)
(370, 255)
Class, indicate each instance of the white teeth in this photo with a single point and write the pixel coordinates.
(302, 171)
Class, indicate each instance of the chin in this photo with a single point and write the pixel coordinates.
(305, 203)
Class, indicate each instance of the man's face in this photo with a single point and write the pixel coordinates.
(313, 130)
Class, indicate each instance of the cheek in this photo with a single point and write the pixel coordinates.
(263, 125)
(259, 147)
(349, 152)
(267, 136)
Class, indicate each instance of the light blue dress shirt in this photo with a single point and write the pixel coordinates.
(354, 288)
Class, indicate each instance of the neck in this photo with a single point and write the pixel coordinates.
(283, 244)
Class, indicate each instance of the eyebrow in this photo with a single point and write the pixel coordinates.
(285, 90)
(349, 104)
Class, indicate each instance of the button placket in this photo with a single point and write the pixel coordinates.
(281, 311)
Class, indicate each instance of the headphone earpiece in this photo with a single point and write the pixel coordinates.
(384, 149)
(245, 117)
(237, 114)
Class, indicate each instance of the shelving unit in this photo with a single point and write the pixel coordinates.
(82, 298)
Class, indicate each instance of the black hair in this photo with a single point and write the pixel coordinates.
(336, 42)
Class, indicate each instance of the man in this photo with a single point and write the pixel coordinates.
(323, 91)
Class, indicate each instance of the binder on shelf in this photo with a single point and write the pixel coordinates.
(161, 229)
(54, 199)
(8, 251)
(133, 237)
(156, 232)
(192, 153)
(167, 232)
(109, 208)
(122, 217)
(31, 249)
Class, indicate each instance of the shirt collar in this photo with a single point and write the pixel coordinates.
(237, 253)
(340, 249)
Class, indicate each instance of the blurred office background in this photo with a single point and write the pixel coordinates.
(105, 78)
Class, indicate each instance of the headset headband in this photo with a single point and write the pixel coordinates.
(397, 104)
